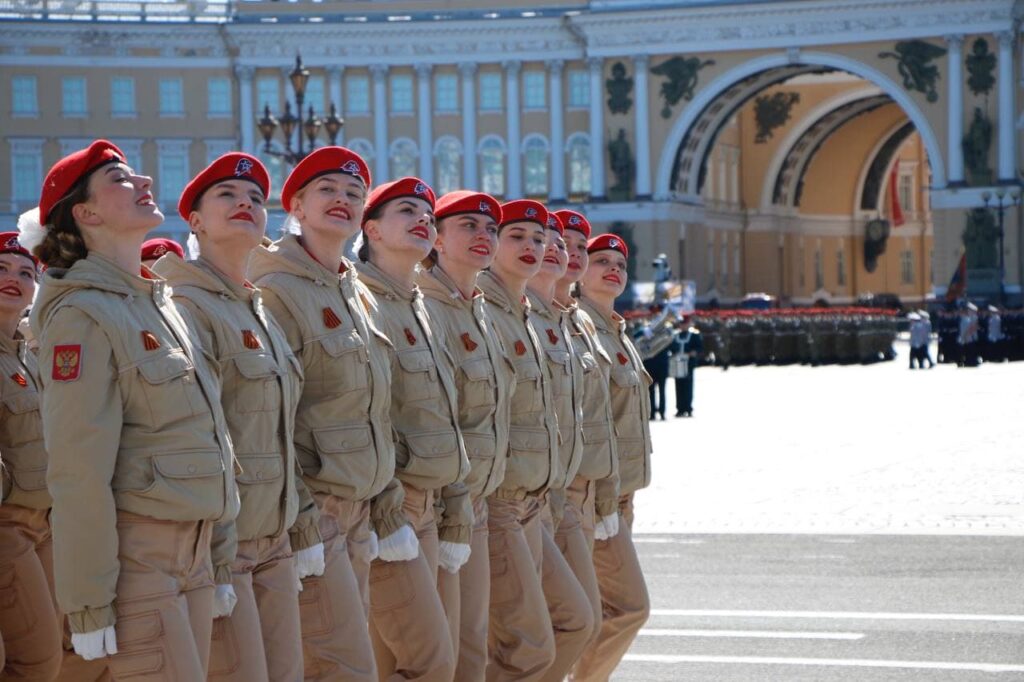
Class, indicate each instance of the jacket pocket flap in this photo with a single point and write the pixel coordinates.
(345, 342)
(560, 357)
(415, 360)
(625, 377)
(30, 479)
(528, 439)
(526, 370)
(342, 439)
(255, 365)
(477, 369)
(20, 403)
(260, 468)
(163, 368)
(479, 445)
(434, 444)
(596, 433)
(189, 464)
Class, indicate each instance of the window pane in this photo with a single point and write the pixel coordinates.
(268, 94)
(819, 271)
(492, 165)
(579, 89)
(841, 268)
(403, 159)
(23, 95)
(536, 169)
(28, 176)
(357, 94)
(401, 94)
(534, 95)
(905, 189)
(73, 95)
(173, 176)
(579, 166)
(490, 91)
(446, 92)
(314, 96)
(907, 267)
(218, 94)
(278, 171)
(122, 95)
(448, 172)
(171, 100)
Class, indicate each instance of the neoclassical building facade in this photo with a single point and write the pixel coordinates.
(812, 149)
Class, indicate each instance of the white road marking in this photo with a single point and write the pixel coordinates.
(752, 634)
(828, 662)
(840, 615)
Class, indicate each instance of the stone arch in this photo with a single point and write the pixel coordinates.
(780, 66)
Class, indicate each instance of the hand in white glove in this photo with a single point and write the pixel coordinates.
(373, 546)
(402, 545)
(310, 561)
(606, 527)
(453, 555)
(95, 644)
(224, 601)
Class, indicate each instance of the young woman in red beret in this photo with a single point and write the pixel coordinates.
(140, 463)
(258, 638)
(467, 239)
(625, 603)
(343, 438)
(411, 635)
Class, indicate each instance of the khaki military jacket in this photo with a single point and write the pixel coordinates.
(429, 450)
(261, 381)
(630, 400)
(566, 371)
(600, 461)
(132, 420)
(21, 427)
(343, 434)
(533, 460)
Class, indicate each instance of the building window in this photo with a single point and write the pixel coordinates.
(737, 280)
(357, 94)
(906, 267)
(801, 264)
(24, 101)
(579, 89)
(905, 191)
(277, 169)
(26, 171)
(490, 92)
(401, 94)
(577, 148)
(122, 96)
(534, 95)
(723, 252)
(535, 151)
(362, 147)
(172, 99)
(447, 165)
(218, 98)
(403, 154)
(841, 267)
(132, 151)
(819, 271)
(268, 94)
(72, 91)
(173, 172)
(314, 96)
(446, 92)
(492, 165)
(217, 148)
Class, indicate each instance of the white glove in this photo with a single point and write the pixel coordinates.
(95, 644)
(402, 545)
(310, 561)
(453, 555)
(224, 601)
(373, 546)
(606, 527)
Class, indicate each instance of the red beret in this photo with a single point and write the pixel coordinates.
(571, 220)
(405, 187)
(72, 168)
(9, 244)
(524, 210)
(608, 241)
(466, 201)
(321, 162)
(228, 167)
(555, 223)
(155, 248)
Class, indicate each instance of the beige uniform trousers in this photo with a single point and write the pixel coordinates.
(575, 538)
(410, 632)
(624, 599)
(466, 598)
(334, 607)
(261, 640)
(29, 622)
(570, 610)
(521, 642)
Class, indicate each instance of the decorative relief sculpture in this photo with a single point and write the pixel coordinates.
(619, 89)
(681, 79)
(975, 145)
(621, 160)
(915, 65)
(980, 65)
(771, 112)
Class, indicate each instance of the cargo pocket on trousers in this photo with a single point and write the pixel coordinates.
(14, 603)
(389, 587)
(315, 614)
(225, 658)
(141, 654)
(506, 587)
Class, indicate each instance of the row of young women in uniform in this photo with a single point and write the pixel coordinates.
(270, 463)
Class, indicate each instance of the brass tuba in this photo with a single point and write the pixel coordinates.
(658, 336)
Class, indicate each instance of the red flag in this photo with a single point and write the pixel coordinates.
(894, 198)
(958, 285)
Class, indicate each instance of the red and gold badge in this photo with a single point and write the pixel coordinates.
(149, 340)
(20, 380)
(250, 340)
(67, 362)
(520, 348)
(331, 319)
(468, 342)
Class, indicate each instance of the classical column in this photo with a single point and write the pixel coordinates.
(244, 75)
(955, 106)
(334, 77)
(469, 177)
(424, 114)
(643, 133)
(1007, 145)
(515, 154)
(557, 185)
(380, 121)
(597, 187)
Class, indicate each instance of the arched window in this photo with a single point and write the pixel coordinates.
(447, 165)
(403, 154)
(535, 151)
(492, 165)
(363, 148)
(577, 148)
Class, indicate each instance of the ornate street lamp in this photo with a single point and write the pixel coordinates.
(1003, 202)
(289, 122)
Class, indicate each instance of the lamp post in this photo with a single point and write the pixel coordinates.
(1003, 202)
(288, 121)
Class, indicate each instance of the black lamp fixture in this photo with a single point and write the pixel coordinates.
(288, 122)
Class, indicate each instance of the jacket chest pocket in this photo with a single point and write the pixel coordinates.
(344, 362)
(561, 371)
(477, 385)
(170, 389)
(588, 362)
(24, 425)
(257, 469)
(257, 388)
(418, 380)
(528, 396)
